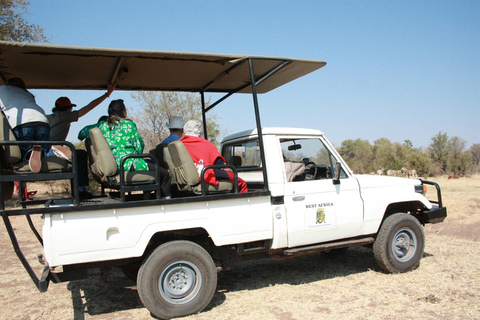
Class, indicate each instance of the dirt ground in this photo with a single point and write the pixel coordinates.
(350, 286)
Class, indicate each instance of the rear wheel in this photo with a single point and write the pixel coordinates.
(179, 278)
(400, 243)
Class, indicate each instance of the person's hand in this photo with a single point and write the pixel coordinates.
(110, 88)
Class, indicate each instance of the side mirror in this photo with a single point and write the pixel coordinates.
(336, 179)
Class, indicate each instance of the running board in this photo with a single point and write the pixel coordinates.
(328, 246)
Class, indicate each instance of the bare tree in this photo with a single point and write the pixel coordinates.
(158, 108)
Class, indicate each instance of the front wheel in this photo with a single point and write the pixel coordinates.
(179, 278)
(400, 243)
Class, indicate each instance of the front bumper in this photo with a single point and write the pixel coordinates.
(434, 215)
(437, 213)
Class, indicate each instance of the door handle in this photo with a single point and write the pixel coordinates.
(299, 198)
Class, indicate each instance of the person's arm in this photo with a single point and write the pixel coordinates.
(97, 101)
(83, 134)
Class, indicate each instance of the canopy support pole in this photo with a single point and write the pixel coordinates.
(204, 115)
(259, 125)
(115, 72)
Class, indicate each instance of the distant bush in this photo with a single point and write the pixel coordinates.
(443, 156)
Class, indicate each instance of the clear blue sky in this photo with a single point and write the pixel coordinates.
(395, 69)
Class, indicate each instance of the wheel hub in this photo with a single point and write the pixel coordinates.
(404, 244)
(179, 282)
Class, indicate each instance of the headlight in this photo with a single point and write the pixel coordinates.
(421, 189)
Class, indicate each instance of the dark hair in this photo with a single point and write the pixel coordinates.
(116, 107)
(17, 82)
(115, 112)
(102, 118)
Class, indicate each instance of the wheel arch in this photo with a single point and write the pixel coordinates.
(409, 207)
(198, 235)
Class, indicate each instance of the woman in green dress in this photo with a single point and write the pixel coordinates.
(124, 139)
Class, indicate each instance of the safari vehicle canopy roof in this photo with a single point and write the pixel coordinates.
(44, 66)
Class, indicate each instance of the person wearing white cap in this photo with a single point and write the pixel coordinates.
(176, 129)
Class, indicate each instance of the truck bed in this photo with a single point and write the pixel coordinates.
(65, 205)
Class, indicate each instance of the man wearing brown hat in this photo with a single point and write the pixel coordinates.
(60, 120)
(63, 114)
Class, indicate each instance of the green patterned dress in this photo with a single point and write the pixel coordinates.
(124, 139)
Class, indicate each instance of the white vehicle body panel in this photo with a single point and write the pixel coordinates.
(380, 191)
(99, 235)
(340, 205)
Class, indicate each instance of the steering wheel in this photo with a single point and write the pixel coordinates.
(308, 171)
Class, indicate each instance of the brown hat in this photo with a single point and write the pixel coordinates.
(63, 103)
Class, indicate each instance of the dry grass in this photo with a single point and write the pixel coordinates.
(350, 286)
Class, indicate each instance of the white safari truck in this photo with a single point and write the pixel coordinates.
(302, 197)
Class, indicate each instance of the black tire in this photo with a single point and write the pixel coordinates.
(400, 243)
(178, 278)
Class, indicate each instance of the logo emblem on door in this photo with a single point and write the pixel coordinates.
(320, 216)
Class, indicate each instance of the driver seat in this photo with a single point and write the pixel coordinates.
(293, 170)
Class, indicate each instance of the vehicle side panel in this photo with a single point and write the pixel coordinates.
(98, 235)
(379, 192)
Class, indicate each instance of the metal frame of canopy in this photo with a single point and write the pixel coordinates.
(44, 66)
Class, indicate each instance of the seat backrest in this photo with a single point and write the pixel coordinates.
(105, 164)
(159, 154)
(237, 161)
(181, 166)
(293, 169)
(11, 153)
(92, 160)
(169, 165)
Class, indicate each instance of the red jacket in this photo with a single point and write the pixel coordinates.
(202, 149)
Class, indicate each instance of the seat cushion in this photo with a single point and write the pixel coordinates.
(48, 164)
(223, 186)
(139, 176)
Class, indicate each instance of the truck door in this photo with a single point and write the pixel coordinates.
(317, 210)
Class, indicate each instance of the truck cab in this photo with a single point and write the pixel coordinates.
(317, 198)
